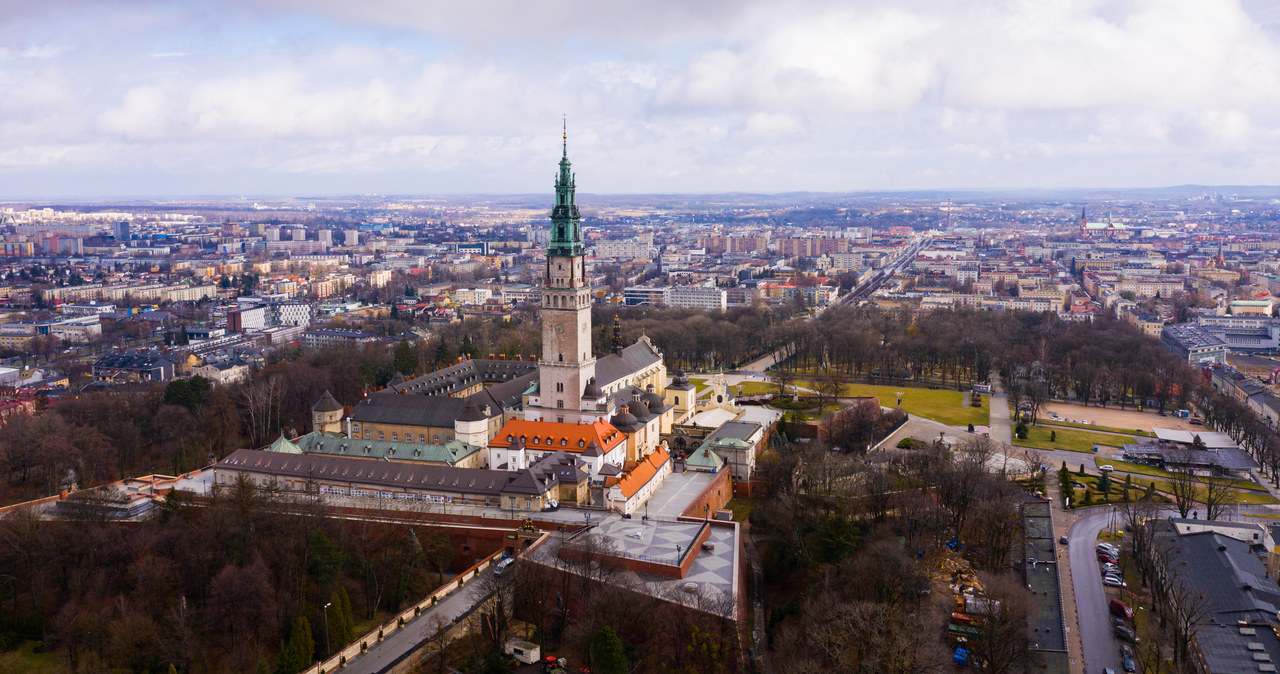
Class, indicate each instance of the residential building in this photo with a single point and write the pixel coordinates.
(709, 298)
(132, 367)
(323, 339)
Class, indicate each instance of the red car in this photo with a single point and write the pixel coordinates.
(1104, 557)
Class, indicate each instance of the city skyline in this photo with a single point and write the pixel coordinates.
(224, 98)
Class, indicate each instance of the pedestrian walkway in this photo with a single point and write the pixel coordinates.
(1062, 521)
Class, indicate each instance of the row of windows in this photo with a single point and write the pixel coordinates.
(395, 436)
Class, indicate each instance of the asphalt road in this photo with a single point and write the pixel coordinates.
(1099, 643)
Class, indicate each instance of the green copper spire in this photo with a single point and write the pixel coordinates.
(566, 230)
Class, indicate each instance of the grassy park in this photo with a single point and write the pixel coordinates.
(947, 407)
(1137, 468)
(1092, 427)
(1069, 439)
(746, 388)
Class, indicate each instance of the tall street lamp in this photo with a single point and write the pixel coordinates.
(326, 629)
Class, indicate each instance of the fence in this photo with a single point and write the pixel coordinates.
(353, 649)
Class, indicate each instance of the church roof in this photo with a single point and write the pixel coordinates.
(617, 366)
(553, 435)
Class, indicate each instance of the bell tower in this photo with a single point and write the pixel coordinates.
(567, 364)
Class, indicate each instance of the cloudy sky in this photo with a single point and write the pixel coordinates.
(320, 97)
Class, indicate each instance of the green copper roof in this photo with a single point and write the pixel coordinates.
(566, 228)
(704, 458)
(449, 453)
(284, 446)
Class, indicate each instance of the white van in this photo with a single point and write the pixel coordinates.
(503, 566)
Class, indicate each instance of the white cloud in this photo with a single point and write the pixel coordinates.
(667, 97)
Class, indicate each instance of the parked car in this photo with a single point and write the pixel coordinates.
(1114, 581)
(1119, 622)
(1108, 548)
(1062, 540)
(1127, 662)
(1104, 557)
(1121, 609)
(1109, 568)
(1126, 634)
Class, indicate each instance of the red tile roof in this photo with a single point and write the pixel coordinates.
(553, 435)
(644, 471)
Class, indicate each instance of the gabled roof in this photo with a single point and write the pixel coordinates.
(389, 408)
(449, 453)
(461, 376)
(632, 359)
(552, 435)
(640, 475)
(394, 474)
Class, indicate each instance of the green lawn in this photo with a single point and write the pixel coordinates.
(742, 508)
(1091, 427)
(1136, 491)
(754, 388)
(810, 415)
(1140, 469)
(25, 659)
(1245, 497)
(947, 407)
(1069, 439)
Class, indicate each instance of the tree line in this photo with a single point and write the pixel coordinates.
(238, 583)
(851, 546)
